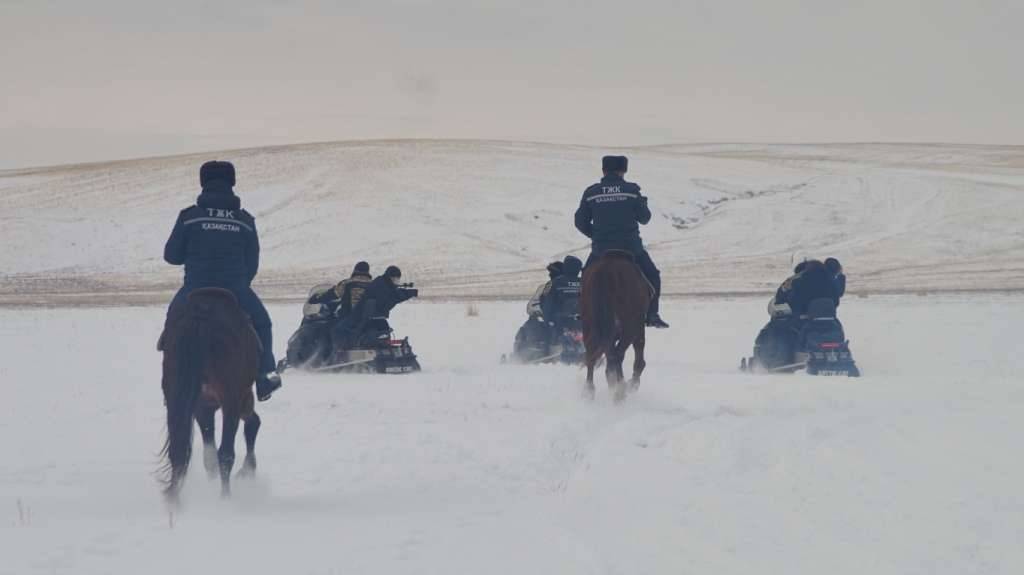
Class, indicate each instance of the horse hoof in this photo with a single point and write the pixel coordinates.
(619, 393)
(210, 462)
(247, 471)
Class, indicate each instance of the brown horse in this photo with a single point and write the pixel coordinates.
(614, 305)
(211, 358)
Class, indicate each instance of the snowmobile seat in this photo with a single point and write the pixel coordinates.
(821, 308)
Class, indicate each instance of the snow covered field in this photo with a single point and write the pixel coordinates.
(475, 467)
(471, 218)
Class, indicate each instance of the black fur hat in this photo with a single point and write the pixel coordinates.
(615, 164)
(554, 269)
(833, 266)
(215, 170)
(393, 272)
(571, 266)
(361, 268)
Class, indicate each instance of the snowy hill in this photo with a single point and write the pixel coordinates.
(473, 218)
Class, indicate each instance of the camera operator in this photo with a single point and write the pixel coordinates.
(380, 297)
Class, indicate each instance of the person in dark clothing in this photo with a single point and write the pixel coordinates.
(561, 305)
(380, 297)
(779, 306)
(814, 282)
(349, 292)
(216, 241)
(835, 269)
(610, 214)
(533, 307)
(535, 331)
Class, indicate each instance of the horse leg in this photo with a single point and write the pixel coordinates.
(204, 417)
(613, 372)
(638, 362)
(252, 428)
(226, 453)
(588, 388)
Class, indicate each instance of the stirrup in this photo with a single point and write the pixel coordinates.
(267, 384)
(656, 321)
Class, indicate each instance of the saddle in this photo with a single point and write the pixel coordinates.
(222, 296)
(628, 255)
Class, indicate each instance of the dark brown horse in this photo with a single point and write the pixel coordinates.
(614, 306)
(211, 358)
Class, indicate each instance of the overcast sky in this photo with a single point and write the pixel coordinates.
(106, 79)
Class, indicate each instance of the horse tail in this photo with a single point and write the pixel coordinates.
(602, 314)
(191, 347)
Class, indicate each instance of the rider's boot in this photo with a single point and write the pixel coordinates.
(267, 384)
(268, 381)
(653, 319)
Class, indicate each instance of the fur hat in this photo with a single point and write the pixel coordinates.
(393, 272)
(361, 268)
(615, 164)
(216, 170)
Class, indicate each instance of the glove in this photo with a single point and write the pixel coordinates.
(414, 293)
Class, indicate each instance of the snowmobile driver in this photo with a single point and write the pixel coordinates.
(835, 270)
(610, 214)
(534, 331)
(380, 297)
(217, 242)
(349, 292)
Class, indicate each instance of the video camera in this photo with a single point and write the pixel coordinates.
(408, 289)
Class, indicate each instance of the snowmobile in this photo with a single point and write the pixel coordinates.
(373, 350)
(818, 346)
(533, 346)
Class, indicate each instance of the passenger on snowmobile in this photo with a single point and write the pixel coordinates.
(562, 304)
(380, 297)
(609, 214)
(779, 305)
(217, 242)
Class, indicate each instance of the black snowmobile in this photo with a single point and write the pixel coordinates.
(373, 350)
(537, 343)
(815, 343)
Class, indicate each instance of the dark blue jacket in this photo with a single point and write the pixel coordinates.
(611, 212)
(840, 283)
(562, 301)
(813, 283)
(216, 240)
(380, 297)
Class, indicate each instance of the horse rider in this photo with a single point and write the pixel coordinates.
(216, 240)
(610, 214)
